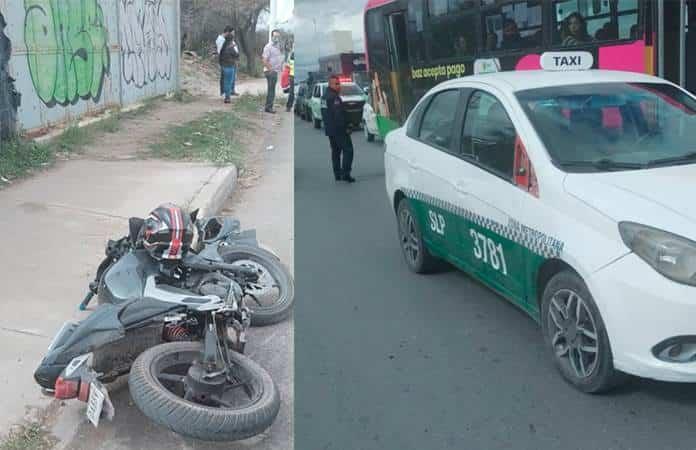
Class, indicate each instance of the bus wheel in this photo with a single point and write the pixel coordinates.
(575, 335)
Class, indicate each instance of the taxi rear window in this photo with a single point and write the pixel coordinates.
(612, 126)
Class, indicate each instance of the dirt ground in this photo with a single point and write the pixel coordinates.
(198, 78)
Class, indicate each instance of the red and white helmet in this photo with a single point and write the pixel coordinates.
(168, 233)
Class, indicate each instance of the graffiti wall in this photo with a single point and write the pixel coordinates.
(68, 58)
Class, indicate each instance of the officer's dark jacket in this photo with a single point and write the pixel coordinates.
(333, 114)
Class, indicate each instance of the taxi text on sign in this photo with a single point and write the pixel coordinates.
(563, 61)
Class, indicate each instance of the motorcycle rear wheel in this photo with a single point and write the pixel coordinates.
(155, 391)
(279, 310)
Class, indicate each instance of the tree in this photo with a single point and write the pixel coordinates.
(247, 19)
(203, 20)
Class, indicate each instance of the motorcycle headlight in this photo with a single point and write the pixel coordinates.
(671, 255)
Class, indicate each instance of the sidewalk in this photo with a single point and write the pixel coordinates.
(263, 201)
(55, 226)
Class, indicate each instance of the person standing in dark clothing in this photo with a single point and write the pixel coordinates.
(219, 42)
(334, 117)
(229, 54)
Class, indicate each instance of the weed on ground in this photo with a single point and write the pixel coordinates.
(27, 437)
(213, 138)
(20, 157)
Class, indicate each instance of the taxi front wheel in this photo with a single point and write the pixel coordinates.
(417, 256)
(576, 336)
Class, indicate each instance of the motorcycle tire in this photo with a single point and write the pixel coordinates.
(280, 310)
(196, 420)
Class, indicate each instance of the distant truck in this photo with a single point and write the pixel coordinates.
(343, 63)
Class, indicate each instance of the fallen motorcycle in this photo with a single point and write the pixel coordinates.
(178, 328)
(221, 240)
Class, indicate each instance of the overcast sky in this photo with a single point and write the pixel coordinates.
(329, 15)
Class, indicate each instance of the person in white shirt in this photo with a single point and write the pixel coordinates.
(272, 65)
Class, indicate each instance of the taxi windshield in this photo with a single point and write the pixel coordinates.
(350, 89)
(613, 126)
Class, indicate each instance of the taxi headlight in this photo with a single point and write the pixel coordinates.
(671, 255)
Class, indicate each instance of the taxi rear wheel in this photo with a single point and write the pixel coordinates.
(575, 334)
(417, 256)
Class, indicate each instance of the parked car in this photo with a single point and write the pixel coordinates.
(369, 121)
(353, 99)
(301, 91)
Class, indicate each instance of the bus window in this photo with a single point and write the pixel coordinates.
(454, 36)
(416, 35)
(579, 22)
(397, 40)
(444, 7)
(376, 41)
(437, 8)
(512, 26)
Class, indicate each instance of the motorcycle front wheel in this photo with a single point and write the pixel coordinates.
(158, 386)
(271, 298)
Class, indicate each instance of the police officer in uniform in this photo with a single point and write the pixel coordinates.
(334, 116)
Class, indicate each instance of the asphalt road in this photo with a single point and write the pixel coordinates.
(386, 359)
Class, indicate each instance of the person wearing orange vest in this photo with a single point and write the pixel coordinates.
(291, 96)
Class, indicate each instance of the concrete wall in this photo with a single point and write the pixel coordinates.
(72, 57)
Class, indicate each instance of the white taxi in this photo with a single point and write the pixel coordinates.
(568, 192)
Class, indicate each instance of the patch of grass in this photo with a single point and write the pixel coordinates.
(27, 437)
(248, 103)
(73, 139)
(183, 96)
(147, 107)
(111, 124)
(210, 138)
(19, 157)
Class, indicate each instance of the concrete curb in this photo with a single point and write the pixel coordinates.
(212, 196)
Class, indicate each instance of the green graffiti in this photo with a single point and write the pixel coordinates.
(67, 49)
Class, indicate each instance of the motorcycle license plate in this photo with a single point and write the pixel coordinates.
(95, 404)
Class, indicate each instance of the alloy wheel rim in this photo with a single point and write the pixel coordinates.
(409, 237)
(573, 331)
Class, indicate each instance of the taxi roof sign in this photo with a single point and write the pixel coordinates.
(486, 65)
(567, 61)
